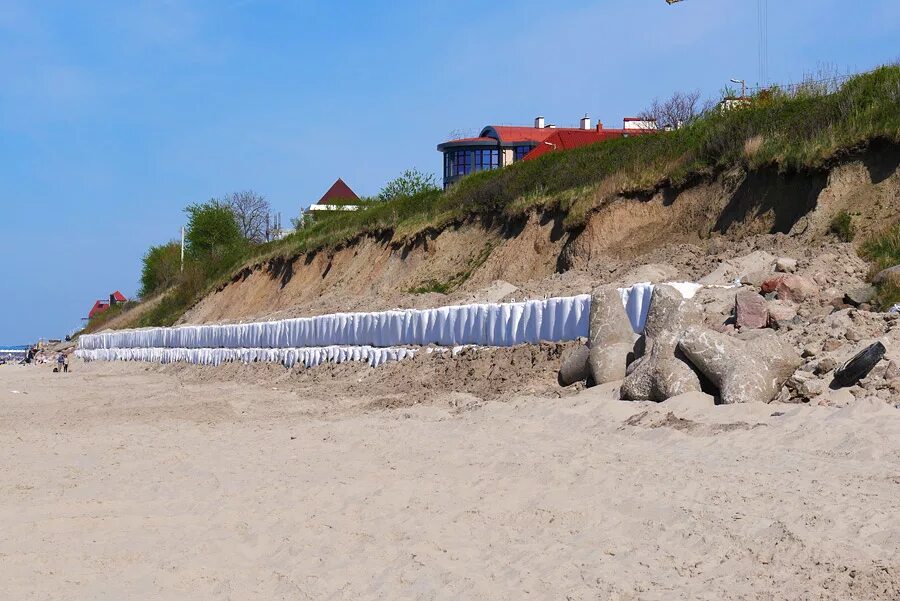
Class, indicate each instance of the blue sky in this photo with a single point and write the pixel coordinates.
(115, 115)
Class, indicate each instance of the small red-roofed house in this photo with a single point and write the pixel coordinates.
(102, 305)
(98, 308)
(339, 197)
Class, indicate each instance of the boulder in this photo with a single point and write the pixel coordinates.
(891, 274)
(716, 304)
(661, 371)
(892, 371)
(790, 287)
(831, 344)
(574, 367)
(751, 268)
(805, 385)
(781, 311)
(744, 370)
(756, 278)
(720, 275)
(860, 296)
(785, 265)
(824, 366)
(610, 336)
(750, 310)
(757, 262)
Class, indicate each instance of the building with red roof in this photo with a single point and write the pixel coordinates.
(501, 145)
(102, 305)
(339, 194)
(339, 197)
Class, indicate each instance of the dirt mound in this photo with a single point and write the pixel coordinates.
(470, 376)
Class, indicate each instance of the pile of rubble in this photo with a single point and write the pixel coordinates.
(784, 332)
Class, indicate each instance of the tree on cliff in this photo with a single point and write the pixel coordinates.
(213, 237)
(409, 183)
(161, 267)
(680, 109)
(251, 213)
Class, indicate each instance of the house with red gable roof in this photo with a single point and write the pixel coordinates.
(339, 197)
(102, 305)
(502, 145)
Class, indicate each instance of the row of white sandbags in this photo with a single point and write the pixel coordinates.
(309, 357)
(495, 324)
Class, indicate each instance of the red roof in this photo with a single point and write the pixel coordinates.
(566, 139)
(512, 133)
(338, 193)
(99, 307)
(545, 139)
(102, 305)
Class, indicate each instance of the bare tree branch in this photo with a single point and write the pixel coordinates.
(251, 211)
(677, 111)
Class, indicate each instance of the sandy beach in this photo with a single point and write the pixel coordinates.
(125, 481)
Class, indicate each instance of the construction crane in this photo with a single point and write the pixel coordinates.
(762, 18)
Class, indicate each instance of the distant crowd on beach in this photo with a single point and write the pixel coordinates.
(38, 356)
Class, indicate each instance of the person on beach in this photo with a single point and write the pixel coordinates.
(60, 360)
(66, 363)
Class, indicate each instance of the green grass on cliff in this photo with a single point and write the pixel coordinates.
(797, 131)
(883, 251)
(801, 130)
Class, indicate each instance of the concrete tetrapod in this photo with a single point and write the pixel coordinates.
(744, 370)
(662, 371)
(574, 366)
(610, 336)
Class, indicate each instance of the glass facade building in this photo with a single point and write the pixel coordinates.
(486, 152)
(502, 145)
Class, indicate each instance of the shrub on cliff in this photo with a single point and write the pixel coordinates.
(161, 266)
(213, 238)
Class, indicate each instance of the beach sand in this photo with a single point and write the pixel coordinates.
(121, 481)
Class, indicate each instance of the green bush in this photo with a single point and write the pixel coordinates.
(191, 285)
(411, 182)
(432, 286)
(888, 295)
(213, 238)
(161, 266)
(883, 250)
(214, 245)
(842, 226)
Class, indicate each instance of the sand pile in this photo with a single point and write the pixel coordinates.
(471, 376)
(133, 482)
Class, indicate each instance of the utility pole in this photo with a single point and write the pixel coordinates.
(182, 249)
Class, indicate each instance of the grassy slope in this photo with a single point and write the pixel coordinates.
(799, 131)
(883, 251)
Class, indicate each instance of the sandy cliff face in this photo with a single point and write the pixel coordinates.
(538, 256)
